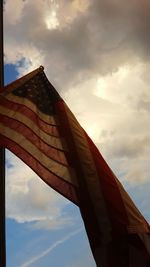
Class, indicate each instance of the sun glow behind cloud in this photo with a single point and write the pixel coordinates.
(115, 81)
(52, 21)
(59, 14)
(116, 86)
(51, 18)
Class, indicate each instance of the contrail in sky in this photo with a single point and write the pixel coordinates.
(44, 253)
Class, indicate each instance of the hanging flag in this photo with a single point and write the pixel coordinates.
(38, 127)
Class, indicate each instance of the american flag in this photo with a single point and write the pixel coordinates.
(38, 127)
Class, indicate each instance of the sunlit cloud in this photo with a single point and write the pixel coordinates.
(52, 21)
(51, 16)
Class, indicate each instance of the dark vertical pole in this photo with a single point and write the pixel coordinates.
(2, 156)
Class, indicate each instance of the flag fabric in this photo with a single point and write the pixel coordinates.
(38, 127)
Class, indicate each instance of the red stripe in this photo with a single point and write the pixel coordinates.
(85, 204)
(22, 109)
(57, 183)
(46, 149)
(111, 192)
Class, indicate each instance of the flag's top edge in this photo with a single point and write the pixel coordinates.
(21, 80)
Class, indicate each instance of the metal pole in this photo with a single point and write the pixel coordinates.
(2, 156)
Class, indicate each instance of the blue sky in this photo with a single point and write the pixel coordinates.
(96, 54)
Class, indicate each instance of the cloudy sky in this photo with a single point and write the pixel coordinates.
(97, 55)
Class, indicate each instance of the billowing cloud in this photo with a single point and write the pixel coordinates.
(78, 38)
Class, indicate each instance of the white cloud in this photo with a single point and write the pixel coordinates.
(55, 223)
(78, 38)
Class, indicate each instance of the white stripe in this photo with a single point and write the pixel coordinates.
(50, 140)
(26, 102)
(58, 169)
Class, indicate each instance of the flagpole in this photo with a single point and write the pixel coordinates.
(2, 156)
